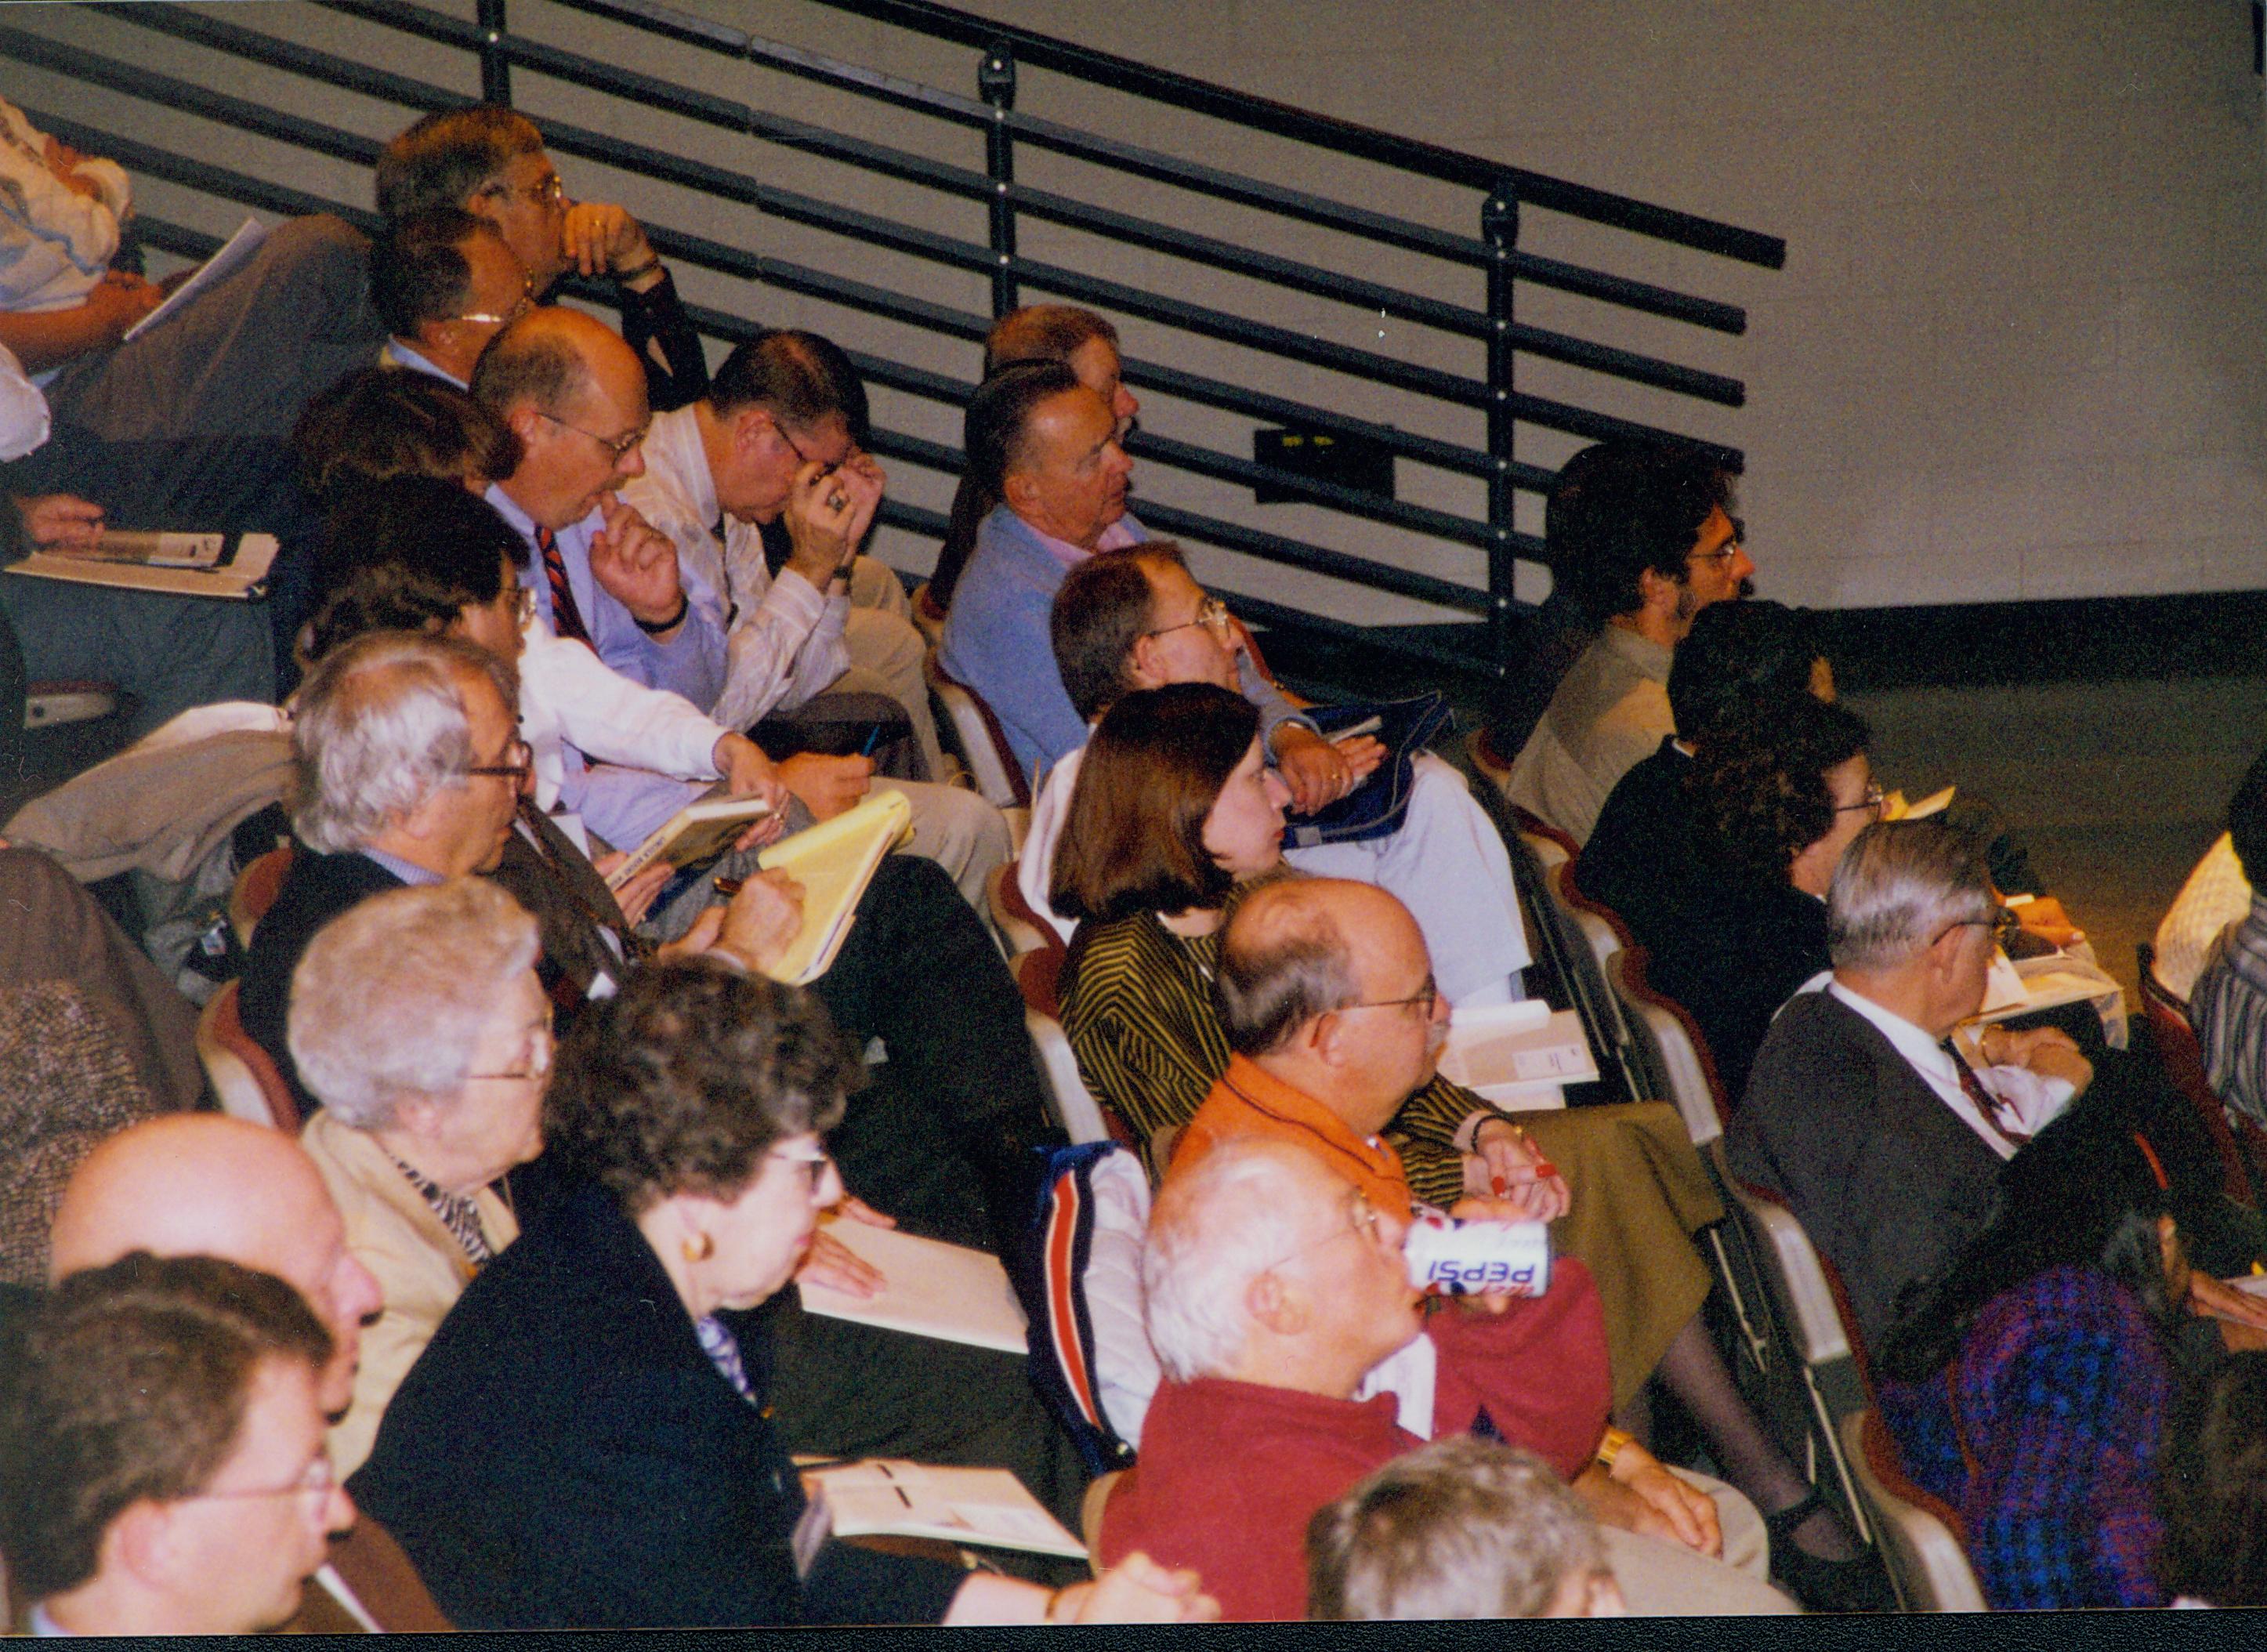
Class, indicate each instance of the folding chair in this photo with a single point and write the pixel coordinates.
(1917, 1536)
(2174, 1039)
(984, 750)
(1075, 1109)
(241, 1073)
(1810, 1316)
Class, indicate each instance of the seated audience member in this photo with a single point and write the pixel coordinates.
(2030, 1388)
(1083, 341)
(1643, 855)
(917, 969)
(198, 1185)
(490, 162)
(2216, 895)
(946, 1131)
(1271, 1286)
(61, 215)
(561, 381)
(1560, 627)
(1665, 547)
(417, 1020)
(1047, 448)
(777, 440)
(585, 1443)
(1777, 799)
(1298, 963)
(1887, 1144)
(2211, 1480)
(1461, 1529)
(445, 282)
(161, 1452)
(2228, 1001)
(376, 425)
(1134, 619)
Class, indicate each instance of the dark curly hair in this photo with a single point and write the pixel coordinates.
(1759, 784)
(685, 1079)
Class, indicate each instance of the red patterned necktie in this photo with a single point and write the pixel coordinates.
(2003, 1117)
(565, 617)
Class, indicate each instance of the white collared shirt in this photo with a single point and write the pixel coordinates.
(1926, 1056)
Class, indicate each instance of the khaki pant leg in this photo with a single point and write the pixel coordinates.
(958, 830)
(885, 657)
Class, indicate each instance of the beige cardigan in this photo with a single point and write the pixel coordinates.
(419, 1266)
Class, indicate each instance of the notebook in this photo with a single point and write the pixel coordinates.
(930, 1290)
(695, 834)
(834, 860)
(181, 564)
(885, 1497)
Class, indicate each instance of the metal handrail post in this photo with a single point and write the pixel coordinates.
(995, 83)
(496, 64)
(1500, 229)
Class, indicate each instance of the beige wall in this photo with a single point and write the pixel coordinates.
(2017, 351)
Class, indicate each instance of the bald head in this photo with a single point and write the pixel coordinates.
(1296, 949)
(574, 394)
(204, 1184)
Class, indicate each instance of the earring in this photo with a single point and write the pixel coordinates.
(699, 1248)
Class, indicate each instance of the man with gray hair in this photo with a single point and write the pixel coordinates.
(1460, 1528)
(1863, 1112)
(1274, 1291)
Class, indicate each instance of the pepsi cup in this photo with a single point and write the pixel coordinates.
(1451, 1258)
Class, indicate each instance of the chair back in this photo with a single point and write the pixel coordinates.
(983, 743)
(2182, 1058)
(1917, 1536)
(243, 1076)
(1022, 928)
(1792, 1270)
(255, 890)
(1037, 974)
(1671, 1045)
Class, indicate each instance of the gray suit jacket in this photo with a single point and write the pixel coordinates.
(1885, 1178)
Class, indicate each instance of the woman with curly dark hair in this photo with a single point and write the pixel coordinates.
(1777, 799)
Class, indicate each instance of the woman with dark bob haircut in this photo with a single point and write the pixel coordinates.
(2030, 1388)
(584, 1444)
(1175, 812)
(1777, 799)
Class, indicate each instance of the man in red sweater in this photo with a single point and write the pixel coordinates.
(1275, 1288)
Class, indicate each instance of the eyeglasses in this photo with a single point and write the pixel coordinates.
(816, 1163)
(1871, 800)
(520, 307)
(1212, 613)
(319, 1481)
(523, 604)
(2002, 921)
(542, 1044)
(551, 193)
(1428, 995)
(1361, 1219)
(521, 755)
(619, 447)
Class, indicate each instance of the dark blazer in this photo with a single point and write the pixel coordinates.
(316, 890)
(1732, 952)
(1885, 1178)
(565, 1454)
(1643, 856)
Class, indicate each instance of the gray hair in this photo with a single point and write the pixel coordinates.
(391, 998)
(1900, 885)
(1283, 961)
(1216, 1228)
(378, 728)
(1459, 1529)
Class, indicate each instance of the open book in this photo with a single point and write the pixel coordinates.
(182, 564)
(834, 860)
(696, 833)
(985, 1506)
(929, 1289)
(234, 254)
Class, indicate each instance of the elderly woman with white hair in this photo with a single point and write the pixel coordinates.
(417, 1019)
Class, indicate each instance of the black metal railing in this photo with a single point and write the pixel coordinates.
(1492, 262)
